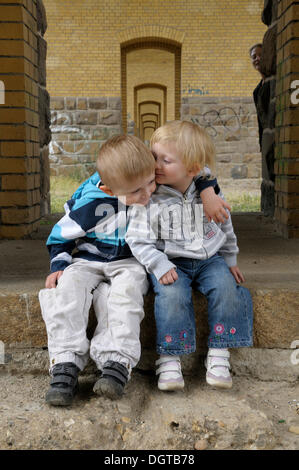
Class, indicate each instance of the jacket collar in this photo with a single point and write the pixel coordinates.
(165, 190)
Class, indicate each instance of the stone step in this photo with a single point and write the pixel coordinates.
(270, 265)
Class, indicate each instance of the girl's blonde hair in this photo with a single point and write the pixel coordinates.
(124, 158)
(194, 145)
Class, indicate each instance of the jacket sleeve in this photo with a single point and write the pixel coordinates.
(229, 249)
(62, 240)
(141, 237)
(203, 182)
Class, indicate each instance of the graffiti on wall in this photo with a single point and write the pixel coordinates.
(195, 91)
(228, 118)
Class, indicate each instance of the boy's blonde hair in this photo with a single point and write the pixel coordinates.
(194, 145)
(124, 157)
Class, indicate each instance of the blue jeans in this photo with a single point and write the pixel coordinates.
(230, 312)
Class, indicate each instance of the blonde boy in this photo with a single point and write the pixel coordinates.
(102, 271)
(193, 252)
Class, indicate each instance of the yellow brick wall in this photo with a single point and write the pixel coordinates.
(84, 43)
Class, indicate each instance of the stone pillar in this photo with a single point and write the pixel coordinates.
(268, 68)
(20, 168)
(287, 120)
(44, 110)
(19, 121)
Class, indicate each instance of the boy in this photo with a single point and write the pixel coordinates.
(181, 249)
(94, 224)
(102, 271)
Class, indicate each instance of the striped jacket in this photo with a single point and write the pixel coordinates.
(173, 225)
(94, 226)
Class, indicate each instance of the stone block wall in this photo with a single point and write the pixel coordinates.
(287, 119)
(79, 128)
(232, 124)
(22, 117)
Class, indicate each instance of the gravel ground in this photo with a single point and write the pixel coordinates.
(252, 415)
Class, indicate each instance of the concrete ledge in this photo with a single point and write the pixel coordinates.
(270, 265)
(275, 324)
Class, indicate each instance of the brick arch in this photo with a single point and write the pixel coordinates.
(151, 115)
(144, 129)
(149, 108)
(140, 33)
(156, 106)
(163, 108)
(171, 44)
(148, 120)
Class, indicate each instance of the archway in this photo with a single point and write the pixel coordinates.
(142, 61)
(148, 109)
(147, 94)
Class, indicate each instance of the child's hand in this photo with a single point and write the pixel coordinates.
(214, 206)
(52, 279)
(237, 274)
(169, 278)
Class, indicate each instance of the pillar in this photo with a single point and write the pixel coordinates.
(21, 118)
(268, 68)
(287, 119)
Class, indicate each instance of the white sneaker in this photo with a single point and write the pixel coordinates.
(217, 364)
(170, 373)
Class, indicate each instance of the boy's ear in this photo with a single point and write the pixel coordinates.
(106, 190)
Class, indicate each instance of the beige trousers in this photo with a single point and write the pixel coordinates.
(116, 290)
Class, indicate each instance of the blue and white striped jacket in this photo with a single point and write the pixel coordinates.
(94, 225)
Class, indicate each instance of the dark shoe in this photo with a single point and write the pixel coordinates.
(63, 385)
(112, 382)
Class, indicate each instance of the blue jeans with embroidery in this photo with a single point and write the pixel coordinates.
(230, 312)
